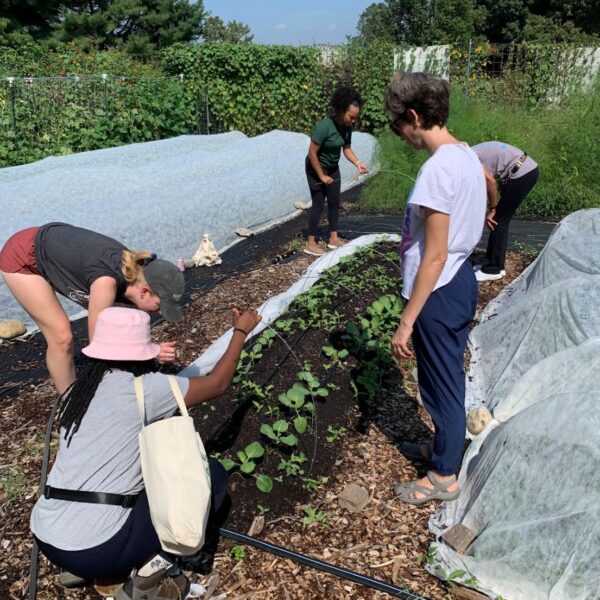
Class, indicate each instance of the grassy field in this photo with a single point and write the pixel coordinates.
(564, 140)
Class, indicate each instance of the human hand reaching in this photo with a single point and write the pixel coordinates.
(246, 320)
(167, 352)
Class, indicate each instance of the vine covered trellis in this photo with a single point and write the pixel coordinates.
(66, 101)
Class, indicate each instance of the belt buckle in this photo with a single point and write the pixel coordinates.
(518, 164)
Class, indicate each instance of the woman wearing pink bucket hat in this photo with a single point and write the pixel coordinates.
(91, 269)
(99, 451)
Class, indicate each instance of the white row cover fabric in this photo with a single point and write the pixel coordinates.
(559, 260)
(531, 491)
(165, 195)
(524, 333)
(529, 481)
(274, 307)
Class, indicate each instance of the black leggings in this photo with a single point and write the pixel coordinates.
(318, 192)
(512, 193)
(133, 544)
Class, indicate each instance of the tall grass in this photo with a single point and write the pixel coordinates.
(564, 140)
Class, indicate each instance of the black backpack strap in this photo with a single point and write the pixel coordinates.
(126, 501)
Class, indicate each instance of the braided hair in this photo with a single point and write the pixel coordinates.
(76, 399)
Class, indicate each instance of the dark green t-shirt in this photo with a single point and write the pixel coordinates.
(331, 139)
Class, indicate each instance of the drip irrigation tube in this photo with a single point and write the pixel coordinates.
(319, 565)
(302, 559)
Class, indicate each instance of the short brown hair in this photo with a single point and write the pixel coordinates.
(428, 96)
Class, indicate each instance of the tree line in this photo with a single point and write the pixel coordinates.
(139, 26)
(429, 22)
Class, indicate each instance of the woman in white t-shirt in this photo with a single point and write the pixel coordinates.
(443, 222)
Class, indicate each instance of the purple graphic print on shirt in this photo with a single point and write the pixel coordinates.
(406, 237)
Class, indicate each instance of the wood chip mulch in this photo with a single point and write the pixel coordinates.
(387, 540)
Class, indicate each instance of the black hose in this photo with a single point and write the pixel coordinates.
(319, 565)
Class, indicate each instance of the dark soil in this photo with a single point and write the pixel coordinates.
(228, 423)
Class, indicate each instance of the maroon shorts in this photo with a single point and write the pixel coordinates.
(18, 254)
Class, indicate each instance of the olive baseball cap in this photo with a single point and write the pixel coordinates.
(168, 283)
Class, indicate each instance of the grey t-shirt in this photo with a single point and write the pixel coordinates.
(499, 158)
(103, 457)
(72, 258)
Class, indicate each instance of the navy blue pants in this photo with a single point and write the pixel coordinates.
(133, 544)
(439, 339)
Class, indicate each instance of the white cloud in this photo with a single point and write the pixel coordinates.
(332, 27)
(280, 26)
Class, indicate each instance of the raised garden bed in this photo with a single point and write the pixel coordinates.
(302, 383)
(385, 533)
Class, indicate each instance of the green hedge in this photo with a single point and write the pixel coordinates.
(73, 109)
(255, 89)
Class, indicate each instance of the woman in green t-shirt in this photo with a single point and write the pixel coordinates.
(330, 136)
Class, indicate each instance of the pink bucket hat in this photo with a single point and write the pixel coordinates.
(122, 334)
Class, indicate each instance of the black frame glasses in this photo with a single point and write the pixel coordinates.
(394, 126)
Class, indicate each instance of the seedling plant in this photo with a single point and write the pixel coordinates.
(352, 311)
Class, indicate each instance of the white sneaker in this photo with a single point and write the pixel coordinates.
(481, 276)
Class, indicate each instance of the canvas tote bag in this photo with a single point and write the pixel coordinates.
(176, 476)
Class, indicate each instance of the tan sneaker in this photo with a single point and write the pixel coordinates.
(337, 244)
(313, 250)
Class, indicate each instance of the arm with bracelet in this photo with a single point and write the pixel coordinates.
(218, 380)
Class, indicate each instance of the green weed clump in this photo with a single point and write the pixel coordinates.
(564, 140)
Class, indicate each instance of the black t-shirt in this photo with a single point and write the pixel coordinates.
(72, 258)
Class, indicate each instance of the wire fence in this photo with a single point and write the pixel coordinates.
(40, 116)
(525, 74)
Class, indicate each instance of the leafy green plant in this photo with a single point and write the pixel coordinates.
(238, 553)
(273, 411)
(276, 433)
(262, 510)
(293, 465)
(312, 485)
(312, 515)
(430, 558)
(295, 399)
(457, 576)
(334, 434)
(247, 458)
(287, 325)
(368, 339)
(264, 483)
(337, 356)
(313, 384)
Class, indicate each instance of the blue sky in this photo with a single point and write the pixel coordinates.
(293, 22)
